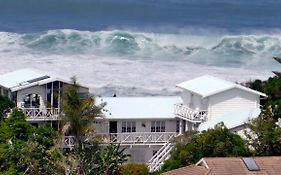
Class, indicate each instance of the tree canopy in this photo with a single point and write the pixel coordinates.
(217, 142)
(25, 149)
(264, 134)
(5, 104)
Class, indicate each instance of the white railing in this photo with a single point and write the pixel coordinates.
(69, 141)
(41, 113)
(157, 161)
(138, 137)
(128, 138)
(186, 113)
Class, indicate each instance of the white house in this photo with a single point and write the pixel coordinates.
(144, 125)
(209, 100)
(37, 94)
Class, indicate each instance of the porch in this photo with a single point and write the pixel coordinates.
(191, 115)
(41, 114)
(132, 138)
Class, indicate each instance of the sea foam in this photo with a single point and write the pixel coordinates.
(138, 63)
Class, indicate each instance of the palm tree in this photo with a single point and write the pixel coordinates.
(79, 112)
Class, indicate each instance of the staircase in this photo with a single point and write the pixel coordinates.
(156, 162)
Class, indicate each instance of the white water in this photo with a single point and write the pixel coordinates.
(129, 63)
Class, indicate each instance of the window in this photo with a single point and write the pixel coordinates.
(158, 126)
(128, 126)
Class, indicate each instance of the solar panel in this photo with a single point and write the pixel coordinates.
(38, 79)
(251, 163)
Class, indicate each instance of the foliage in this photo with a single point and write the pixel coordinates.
(133, 169)
(217, 142)
(264, 136)
(271, 87)
(25, 149)
(87, 157)
(110, 159)
(5, 103)
(79, 112)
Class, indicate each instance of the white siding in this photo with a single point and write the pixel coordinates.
(145, 125)
(231, 100)
(194, 101)
(141, 153)
(40, 90)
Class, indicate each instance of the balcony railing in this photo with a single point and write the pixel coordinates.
(140, 138)
(41, 113)
(186, 113)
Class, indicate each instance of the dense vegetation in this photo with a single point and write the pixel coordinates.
(217, 142)
(5, 105)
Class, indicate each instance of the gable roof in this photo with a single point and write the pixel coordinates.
(232, 166)
(140, 107)
(208, 85)
(24, 78)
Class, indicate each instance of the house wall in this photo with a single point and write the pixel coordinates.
(141, 153)
(170, 125)
(40, 90)
(231, 100)
(194, 101)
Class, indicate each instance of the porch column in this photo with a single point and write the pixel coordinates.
(59, 97)
(52, 95)
(181, 126)
(186, 126)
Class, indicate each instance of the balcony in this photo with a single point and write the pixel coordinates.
(41, 114)
(191, 115)
(132, 138)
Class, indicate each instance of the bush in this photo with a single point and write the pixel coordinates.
(133, 169)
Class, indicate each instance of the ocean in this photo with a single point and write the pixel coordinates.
(141, 48)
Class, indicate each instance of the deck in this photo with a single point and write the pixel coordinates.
(191, 115)
(133, 138)
(41, 114)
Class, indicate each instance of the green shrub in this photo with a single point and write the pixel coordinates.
(133, 169)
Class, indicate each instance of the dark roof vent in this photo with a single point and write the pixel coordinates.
(38, 79)
(251, 164)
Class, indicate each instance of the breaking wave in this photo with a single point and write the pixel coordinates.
(208, 50)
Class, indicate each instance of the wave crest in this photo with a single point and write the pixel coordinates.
(209, 50)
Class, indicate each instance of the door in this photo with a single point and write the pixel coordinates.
(113, 127)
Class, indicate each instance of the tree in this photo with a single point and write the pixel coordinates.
(264, 134)
(217, 142)
(110, 159)
(79, 112)
(5, 104)
(25, 149)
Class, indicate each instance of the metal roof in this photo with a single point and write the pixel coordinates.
(18, 77)
(140, 107)
(208, 85)
(24, 78)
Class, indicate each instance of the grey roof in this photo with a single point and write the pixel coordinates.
(208, 85)
(24, 78)
(18, 77)
(140, 107)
